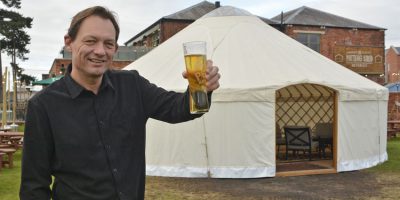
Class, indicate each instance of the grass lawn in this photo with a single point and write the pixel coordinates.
(10, 179)
(393, 163)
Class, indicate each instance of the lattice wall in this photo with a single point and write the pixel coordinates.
(304, 105)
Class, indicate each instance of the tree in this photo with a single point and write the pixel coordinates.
(15, 39)
(23, 78)
(12, 3)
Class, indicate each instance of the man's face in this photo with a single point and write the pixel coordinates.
(93, 48)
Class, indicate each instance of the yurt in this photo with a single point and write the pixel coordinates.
(269, 82)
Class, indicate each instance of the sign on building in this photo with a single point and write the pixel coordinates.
(360, 59)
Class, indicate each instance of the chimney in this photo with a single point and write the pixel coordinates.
(217, 4)
(281, 27)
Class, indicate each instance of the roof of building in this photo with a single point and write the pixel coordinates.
(193, 12)
(268, 21)
(309, 16)
(393, 87)
(396, 49)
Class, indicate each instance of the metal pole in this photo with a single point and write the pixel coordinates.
(14, 105)
(1, 65)
(4, 114)
(8, 100)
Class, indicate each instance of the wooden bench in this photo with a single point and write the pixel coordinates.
(10, 155)
(5, 145)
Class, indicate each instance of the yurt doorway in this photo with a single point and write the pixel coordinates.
(305, 120)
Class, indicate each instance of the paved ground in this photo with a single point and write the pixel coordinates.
(348, 185)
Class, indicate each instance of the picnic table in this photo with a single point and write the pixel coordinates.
(12, 138)
(393, 127)
(9, 143)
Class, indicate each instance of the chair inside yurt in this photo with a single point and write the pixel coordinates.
(305, 127)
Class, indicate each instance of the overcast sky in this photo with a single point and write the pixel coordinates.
(52, 17)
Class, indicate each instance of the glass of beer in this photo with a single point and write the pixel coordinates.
(196, 66)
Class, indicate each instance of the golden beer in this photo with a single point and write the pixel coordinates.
(196, 66)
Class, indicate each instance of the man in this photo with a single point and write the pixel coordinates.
(88, 129)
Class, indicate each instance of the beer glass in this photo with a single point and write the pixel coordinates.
(196, 66)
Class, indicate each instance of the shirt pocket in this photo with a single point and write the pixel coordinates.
(128, 129)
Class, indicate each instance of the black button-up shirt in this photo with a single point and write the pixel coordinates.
(93, 145)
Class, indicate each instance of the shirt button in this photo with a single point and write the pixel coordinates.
(115, 170)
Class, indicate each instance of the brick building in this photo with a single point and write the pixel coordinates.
(392, 60)
(355, 45)
(169, 25)
(393, 64)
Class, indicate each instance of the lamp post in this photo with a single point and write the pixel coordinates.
(4, 114)
(14, 87)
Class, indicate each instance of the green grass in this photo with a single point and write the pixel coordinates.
(393, 163)
(10, 178)
(21, 128)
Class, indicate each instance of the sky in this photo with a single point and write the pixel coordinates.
(51, 19)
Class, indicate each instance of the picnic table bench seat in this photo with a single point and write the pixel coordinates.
(10, 155)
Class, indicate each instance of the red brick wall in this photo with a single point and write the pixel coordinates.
(393, 62)
(347, 37)
(342, 36)
(168, 29)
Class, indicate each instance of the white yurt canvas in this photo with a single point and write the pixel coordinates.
(236, 138)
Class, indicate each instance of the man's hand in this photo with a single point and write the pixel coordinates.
(212, 76)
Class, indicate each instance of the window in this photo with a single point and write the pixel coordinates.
(309, 39)
(155, 39)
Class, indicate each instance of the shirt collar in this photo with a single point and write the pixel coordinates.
(75, 89)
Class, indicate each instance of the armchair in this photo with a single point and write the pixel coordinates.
(299, 138)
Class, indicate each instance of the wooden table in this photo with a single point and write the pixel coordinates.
(12, 137)
(11, 133)
(5, 129)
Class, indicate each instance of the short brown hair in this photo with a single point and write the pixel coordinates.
(97, 11)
